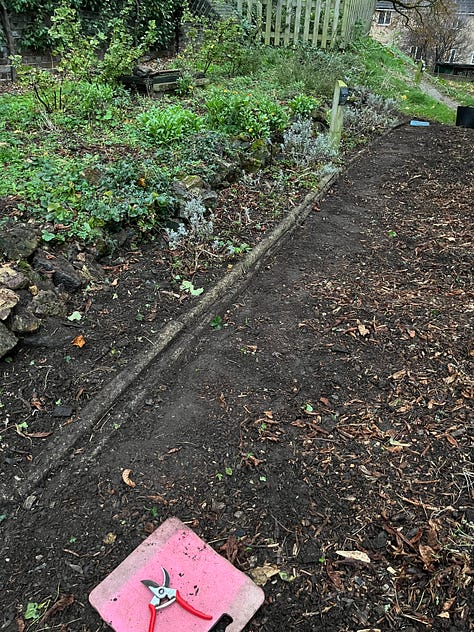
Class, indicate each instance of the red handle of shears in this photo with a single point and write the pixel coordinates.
(152, 610)
(189, 608)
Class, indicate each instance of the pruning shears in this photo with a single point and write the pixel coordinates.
(164, 596)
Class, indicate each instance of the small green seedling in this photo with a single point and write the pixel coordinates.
(392, 234)
(74, 316)
(33, 609)
(216, 323)
(21, 427)
(187, 286)
(228, 471)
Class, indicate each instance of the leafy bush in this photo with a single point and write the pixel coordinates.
(96, 59)
(206, 153)
(303, 105)
(310, 70)
(37, 36)
(247, 116)
(76, 198)
(91, 100)
(166, 126)
(226, 46)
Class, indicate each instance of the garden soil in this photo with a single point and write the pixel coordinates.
(315, 428)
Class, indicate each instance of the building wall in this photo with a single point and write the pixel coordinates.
(388, 28)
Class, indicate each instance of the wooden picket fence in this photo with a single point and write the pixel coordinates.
(321, 23)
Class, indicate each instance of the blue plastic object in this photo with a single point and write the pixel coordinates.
(419, 123)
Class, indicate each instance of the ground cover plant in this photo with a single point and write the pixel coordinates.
(249, 102)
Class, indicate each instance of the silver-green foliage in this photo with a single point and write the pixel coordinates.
(303, 147)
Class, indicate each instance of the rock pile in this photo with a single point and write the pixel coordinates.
(34, 284)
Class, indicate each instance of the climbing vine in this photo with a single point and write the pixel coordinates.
(36, 36)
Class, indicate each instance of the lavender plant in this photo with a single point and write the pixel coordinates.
(197, 227)
(302, 147)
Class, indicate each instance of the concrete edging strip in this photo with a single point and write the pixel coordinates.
(230, 284)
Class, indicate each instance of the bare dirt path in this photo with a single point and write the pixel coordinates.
(430, 89)
(331, 412)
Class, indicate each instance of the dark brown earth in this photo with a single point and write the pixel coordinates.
(331, 412)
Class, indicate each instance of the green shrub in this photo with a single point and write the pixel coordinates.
(303, 105)
(247, 116)
(77, 197)
(96, 59)
(168, 125)
(310, 70)
(226, 46)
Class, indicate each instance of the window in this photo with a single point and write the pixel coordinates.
(452, 55)
(384, 18)
(472, 57)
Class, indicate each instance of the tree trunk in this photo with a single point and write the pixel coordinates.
(7, 29)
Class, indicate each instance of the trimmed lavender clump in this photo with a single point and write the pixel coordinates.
(200, 228)
(303, 147)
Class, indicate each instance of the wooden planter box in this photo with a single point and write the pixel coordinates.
(161, 81)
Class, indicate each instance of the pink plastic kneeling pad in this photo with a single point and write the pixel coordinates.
(207, 581)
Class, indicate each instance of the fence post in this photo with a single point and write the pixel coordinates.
(341, 92)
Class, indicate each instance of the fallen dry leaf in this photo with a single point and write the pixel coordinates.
(36, 403)
(251, 459)
(399, 374)
(452, 440)
(109, 538)
(61, 604)
(358, 556)
(79, 341)
(157, 498)
(362, 329)
(38, 435)
(126, 478)
(261, 574)
(448, 603)
(20, 624)
(334, 576)
(427, 554)
(231, 548)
